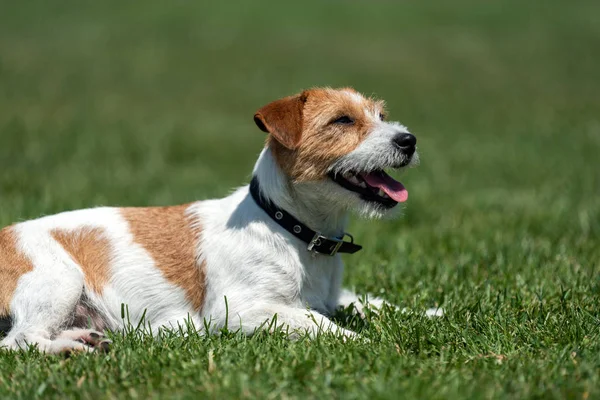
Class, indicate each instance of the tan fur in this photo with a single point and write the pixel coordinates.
(91, 250)
(283, 119)
(321, 142)
(167, 234)
(13, 264)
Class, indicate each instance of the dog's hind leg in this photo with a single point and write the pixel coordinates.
(45, 297)
(88, 337)
(41, 305)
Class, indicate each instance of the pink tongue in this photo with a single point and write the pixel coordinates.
(391, 187)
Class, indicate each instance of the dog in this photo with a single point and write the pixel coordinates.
(269, 251)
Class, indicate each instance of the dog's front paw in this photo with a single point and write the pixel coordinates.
(434, 312)
(379, 304)
(373, 305)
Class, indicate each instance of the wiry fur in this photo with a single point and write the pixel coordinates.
(222, 261)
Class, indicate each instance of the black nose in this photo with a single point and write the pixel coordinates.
(404, 140)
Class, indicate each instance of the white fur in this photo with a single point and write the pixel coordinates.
(255, 270)
(377, 151)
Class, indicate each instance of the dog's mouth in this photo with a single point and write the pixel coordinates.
(376, 186)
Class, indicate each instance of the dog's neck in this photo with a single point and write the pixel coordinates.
(300, 200)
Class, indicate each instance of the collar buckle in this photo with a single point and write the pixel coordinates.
(317, 241)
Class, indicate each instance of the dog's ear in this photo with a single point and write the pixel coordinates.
(283, 119)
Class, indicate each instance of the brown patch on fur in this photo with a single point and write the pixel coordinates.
(13, 264)
(320, 142)
(168, 235)
(90, 249)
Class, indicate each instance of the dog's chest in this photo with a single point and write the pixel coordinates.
(321, 281)
(252, 260)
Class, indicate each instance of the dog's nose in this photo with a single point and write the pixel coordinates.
(404, 140)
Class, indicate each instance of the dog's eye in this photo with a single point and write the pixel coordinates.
(344, 120)
(382, 116)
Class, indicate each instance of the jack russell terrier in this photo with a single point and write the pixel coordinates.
(271, 250)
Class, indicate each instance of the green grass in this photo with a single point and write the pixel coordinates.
(151, 103)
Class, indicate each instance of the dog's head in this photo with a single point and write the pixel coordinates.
(338, 144)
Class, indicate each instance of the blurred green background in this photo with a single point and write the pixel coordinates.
(151, 103)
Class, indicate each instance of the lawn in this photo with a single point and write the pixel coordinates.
(151, 103)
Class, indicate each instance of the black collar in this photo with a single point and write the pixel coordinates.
(316, 242)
